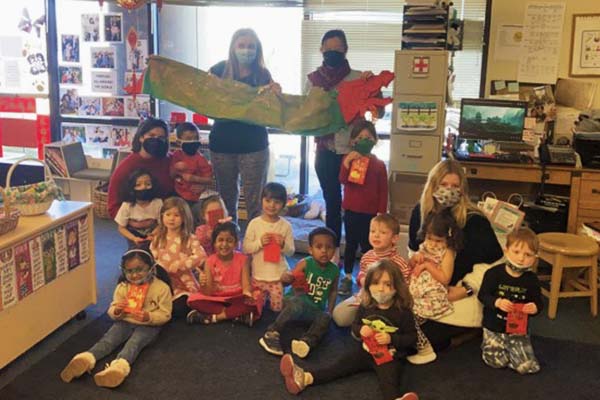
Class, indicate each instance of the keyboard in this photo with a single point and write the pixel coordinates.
(496, 157)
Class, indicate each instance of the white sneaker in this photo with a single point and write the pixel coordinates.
(424, 356)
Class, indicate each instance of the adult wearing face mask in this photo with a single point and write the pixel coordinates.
(238, 148)
(149, 152)
(446, 188)
(331, 149)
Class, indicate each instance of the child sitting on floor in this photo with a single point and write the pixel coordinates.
(141, 306)
(139, 213)
(225, 283)
(511, 290)
(385, 324)
(321, 276)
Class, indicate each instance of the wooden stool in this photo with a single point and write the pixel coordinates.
(568, 254)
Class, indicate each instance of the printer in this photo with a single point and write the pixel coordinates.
(586, 138)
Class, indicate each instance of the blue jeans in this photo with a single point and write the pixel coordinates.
(296, 309)
(135, 337)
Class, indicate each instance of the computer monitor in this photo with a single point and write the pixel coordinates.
(485, 119)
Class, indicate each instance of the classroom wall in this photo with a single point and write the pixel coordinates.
(513, 12)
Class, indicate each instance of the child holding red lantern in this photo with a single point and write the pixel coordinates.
(364, 177)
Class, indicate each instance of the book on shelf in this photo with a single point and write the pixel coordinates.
(56, 161)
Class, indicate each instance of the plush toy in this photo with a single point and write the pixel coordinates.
(380, 352)
(316, 208)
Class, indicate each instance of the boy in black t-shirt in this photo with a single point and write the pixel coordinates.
(507, 290)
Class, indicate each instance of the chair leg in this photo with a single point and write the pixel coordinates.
(555, 283)
(594, 286)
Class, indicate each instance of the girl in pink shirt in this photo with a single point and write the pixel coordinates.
(178, 251)
(226, 291)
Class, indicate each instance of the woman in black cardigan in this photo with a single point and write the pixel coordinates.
(447, 187)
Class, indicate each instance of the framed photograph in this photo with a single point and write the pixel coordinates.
(69, 46)
(70, 75)
(585, 45)
(113, 106)
(73, 133)
(90, 107)
(98, 134)
(69, 101)
(103, 57)
(90, 27)
(113, 27)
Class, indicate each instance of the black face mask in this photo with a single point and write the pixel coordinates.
(333, 58)
(156, 147)
(144, 194)
(190, 148)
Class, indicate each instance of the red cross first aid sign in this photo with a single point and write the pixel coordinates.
(420, 65)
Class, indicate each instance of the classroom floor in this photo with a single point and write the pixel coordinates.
(573, 321)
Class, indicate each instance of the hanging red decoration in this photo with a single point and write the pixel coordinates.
(131, 4)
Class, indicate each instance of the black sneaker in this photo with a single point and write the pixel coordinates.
(246, 319)
(345, 287)
(194, 317)
(270, 342)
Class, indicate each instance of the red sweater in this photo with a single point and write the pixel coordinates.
(370, 197)
(158, 167)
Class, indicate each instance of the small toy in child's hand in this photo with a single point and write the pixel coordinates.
(135, 297)
(380, 352)
(272, 251)
(214, 217)
(358, 170)
(516, 320)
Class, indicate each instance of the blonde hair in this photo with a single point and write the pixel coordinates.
(187, 225)
(437, 173)
(402, 298)
(232, 66)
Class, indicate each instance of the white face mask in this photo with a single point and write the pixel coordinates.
(517, 267)
(447, 197)
(383, 298)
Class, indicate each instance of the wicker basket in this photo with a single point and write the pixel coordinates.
(100, 201)
(35, 208)
(9, 218)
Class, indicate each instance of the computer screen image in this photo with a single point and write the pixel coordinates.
(484, 119)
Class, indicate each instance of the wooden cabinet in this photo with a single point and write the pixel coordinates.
(582, 186)
(48, 275)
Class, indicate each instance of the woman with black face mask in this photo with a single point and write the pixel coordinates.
(149, 151)
(238, 149)
(332, 148)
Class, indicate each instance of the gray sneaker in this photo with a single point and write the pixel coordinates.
(345, 287)
(270, 342)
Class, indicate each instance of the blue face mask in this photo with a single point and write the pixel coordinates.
(245, 56)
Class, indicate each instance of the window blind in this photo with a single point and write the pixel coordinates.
(374, 31)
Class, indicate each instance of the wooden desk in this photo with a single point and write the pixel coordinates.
(582, 185)
(47, 273)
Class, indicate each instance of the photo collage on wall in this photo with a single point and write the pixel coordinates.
(29, 265)
(103, 58)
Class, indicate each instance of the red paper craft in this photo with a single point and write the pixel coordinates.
(272, 252)
(299, 280)
(380, 352)
(359, 96)
(516, 321)
(214, 216)
(136, 296)
(358, 170)
(199, 119)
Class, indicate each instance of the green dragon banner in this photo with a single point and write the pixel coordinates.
(315, 114)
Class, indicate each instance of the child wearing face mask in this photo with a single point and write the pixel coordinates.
(508, 288)
(139, 213)
(141, 306)
(432, 267)
(189, 169)
(386, 328)
(361, 201)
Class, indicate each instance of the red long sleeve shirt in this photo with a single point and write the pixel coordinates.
(158, 167)
(370, 197)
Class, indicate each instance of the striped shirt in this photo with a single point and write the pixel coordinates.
(372, 256)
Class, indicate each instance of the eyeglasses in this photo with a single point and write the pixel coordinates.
(137, 270)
